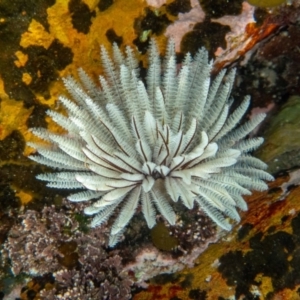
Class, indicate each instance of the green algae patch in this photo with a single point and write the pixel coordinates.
(70, 256)
(162, 239)
(282, 138)
(266, 3)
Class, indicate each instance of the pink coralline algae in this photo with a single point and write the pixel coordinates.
(36, 242)
(96, 279)
(52, 242)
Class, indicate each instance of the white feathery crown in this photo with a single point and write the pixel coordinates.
(173, 138)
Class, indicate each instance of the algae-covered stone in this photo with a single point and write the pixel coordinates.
(281, 149)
